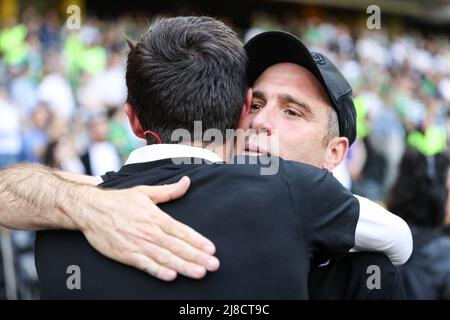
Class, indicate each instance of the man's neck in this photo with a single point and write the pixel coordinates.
(157, 152)
(220, 149)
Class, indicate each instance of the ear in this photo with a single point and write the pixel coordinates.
(247, 103)
(134, 121)
(336, 152)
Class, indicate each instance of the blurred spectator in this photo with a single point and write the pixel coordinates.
(101, 155)
(420, 197)
(36, 137)
(49, 31)
(260, 22)
(22, 90)
(12, 42)
(106, 88)
(61, 154)
(55, 89)
(10, 131)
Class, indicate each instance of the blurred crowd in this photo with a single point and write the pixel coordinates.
(62, 92)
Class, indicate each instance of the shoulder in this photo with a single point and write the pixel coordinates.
(275, 166)
(291, 173)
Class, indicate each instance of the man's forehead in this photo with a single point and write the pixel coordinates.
(294, 77)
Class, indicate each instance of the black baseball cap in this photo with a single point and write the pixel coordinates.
(272, 47)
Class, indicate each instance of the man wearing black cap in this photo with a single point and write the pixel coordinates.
(304, 97)
(193, 68)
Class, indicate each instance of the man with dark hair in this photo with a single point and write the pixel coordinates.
(157, 69)
(298, 212)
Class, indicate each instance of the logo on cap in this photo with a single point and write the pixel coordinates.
(318, 58)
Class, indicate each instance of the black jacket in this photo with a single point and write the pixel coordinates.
(265, 227)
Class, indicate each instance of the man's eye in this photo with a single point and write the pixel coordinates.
(293, 113)
(256, 106)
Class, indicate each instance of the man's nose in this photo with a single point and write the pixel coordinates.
(263, 121)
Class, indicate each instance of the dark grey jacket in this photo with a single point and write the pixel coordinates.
(426, 276)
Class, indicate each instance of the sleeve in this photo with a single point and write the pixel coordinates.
(327, 211)
(106, 177)
(336, 221)
(380, 230)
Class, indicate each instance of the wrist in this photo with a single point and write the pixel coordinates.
(74, 202)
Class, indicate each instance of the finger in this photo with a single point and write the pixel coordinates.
(168, 192)
(168, 260)
(187, 234)
(151, 267)
(187, 252)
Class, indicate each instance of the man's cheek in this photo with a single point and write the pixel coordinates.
(244, 121)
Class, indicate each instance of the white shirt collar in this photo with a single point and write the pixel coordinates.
(156, 152)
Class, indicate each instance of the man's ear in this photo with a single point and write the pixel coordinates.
(336, 152)
(134, 121)
(247, 103)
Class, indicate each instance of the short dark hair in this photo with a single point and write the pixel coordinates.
(187, 69)
(332, 129)
(420, 192)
